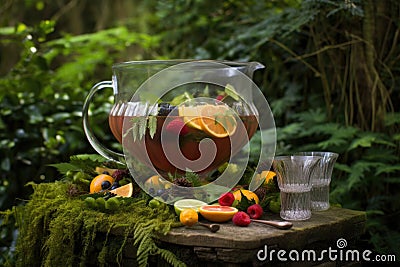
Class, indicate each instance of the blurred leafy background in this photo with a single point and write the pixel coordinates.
(332, 80)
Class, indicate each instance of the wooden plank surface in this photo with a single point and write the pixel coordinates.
(322, 226)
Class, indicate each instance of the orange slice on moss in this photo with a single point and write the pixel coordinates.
(217, 213)
(104, 170)
(95, 184)
(123, 191)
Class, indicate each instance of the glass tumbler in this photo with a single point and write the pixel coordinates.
(321, 179)
(294, 180)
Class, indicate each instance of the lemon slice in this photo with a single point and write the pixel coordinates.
(123, 191)
(190, 116)
(188, 204)
(218, 121)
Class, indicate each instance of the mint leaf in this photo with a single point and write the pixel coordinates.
(230, 90)
(138, 128)
(181, 98)
(152, 125)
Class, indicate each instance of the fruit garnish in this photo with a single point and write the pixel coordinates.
(255, 211)
(95, 184)
(105, 185)
(226, 199)
(177, 127)
(217, 213)
(241, 219)
(115, 185)
(190, 116)
(218, 120)
(188, 204)
(155, 182)
(250, 195)
(165, 109)
(104, 170)
(220, 97)
(123, 191)
(188, 217)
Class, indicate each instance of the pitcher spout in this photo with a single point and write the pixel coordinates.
(253, 66)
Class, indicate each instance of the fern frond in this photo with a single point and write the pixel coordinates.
(145, 247)
(368, 139)
(170, 258)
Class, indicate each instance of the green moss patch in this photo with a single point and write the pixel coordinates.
(56, 229)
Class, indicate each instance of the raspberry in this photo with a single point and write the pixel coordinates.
(241, 219)
(177, 126)
(255, 211)
(226, 199)
(220, 97)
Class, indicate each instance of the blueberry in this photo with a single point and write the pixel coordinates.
(151, 191)
(160, 192)
(165, 109)
(105, 185)
(115, 185)
(165, 196)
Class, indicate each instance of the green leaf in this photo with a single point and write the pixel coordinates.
(138, 128)
(359, 171)
(387, 169)
(193, 178)
(64, 167)
(82, 162)
(181, 98)
(392, 119)
(244, 202)
(152, 125)
(342, 167)
(365, 141)
(230, 91)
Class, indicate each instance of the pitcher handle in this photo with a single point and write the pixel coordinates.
(100, 148)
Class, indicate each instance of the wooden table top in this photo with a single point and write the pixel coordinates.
(324, 225)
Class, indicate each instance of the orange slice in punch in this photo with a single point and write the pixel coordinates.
(190, 116)
(218, 121)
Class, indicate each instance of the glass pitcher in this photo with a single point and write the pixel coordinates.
(172, 116)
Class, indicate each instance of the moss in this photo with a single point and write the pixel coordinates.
(57, 230)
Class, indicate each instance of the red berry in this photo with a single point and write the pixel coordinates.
(255, 211)
(177, 126)
(226, 199)
(241, 219)
(220, 97)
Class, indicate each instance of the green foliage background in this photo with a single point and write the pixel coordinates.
(332, 80)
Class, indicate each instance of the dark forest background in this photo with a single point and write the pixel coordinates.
(332, 79)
